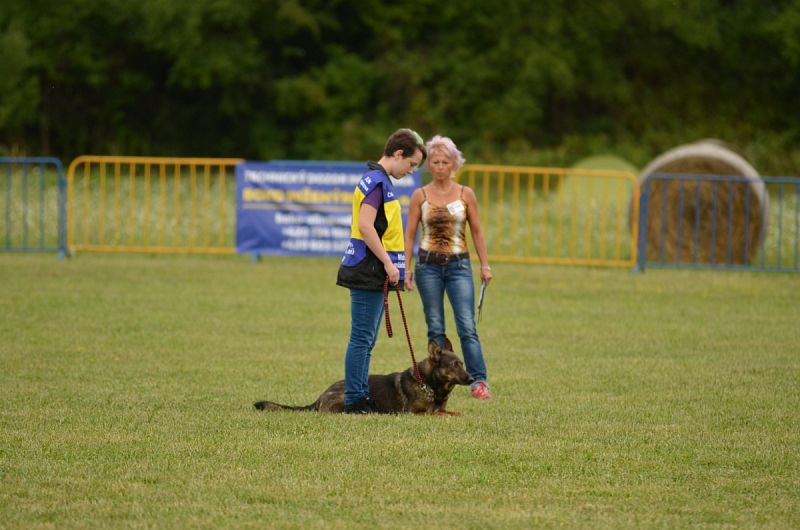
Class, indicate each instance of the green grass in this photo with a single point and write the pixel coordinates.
(661, 400)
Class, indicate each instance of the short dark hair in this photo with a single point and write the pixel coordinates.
(408, 141)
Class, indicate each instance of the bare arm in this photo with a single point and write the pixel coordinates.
(414, 212)
(474, 220)
(366, 226)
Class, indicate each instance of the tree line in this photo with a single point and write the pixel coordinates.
(518, 82)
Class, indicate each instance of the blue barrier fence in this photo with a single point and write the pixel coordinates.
(719, 222)
(33, 207)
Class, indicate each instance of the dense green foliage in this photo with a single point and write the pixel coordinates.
(659, 400)
(544, 82)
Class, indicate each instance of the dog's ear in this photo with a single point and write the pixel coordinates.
(447, 345)
(434, 351)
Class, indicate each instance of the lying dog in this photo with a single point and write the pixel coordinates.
(399, 392)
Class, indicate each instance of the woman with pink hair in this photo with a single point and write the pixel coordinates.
(444, 208)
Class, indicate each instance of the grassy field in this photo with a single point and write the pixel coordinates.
(669, 399)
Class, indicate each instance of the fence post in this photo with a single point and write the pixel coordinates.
(641, 243)
(63, 251)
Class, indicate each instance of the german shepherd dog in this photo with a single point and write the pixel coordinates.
(399, 392)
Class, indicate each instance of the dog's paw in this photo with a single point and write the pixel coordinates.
(448, 413)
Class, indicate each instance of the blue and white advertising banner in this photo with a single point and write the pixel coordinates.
(301, 208)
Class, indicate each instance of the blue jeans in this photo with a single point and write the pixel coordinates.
(366, 313)
(455, 279)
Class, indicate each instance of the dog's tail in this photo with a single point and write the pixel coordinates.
(270, 405)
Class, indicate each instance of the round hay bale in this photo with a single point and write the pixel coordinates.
(607, 162)
(696, 220)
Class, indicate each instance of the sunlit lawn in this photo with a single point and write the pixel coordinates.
(668, 399)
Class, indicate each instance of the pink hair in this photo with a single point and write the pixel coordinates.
(448, 147)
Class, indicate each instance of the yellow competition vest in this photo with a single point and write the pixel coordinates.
(360, 268)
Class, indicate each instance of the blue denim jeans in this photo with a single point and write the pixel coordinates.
(455, 279)
(366, 313)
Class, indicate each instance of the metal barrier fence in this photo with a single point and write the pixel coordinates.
(529, 215)
(723, 222)
(556, 216)
(151, 204)
(32, 217)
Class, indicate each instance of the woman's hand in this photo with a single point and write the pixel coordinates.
(486, 275)
(392, 272)
(409, 281)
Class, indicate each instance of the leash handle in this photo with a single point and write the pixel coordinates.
(417, 375)
(386, 307)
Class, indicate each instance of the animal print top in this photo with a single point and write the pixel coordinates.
(443, 226)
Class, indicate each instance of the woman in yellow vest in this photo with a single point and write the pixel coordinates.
(376, 250)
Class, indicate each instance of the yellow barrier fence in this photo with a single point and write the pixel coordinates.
(557, 216)
(188, 205)
(151, 204)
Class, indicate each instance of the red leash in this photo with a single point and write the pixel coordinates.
(417, 375)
